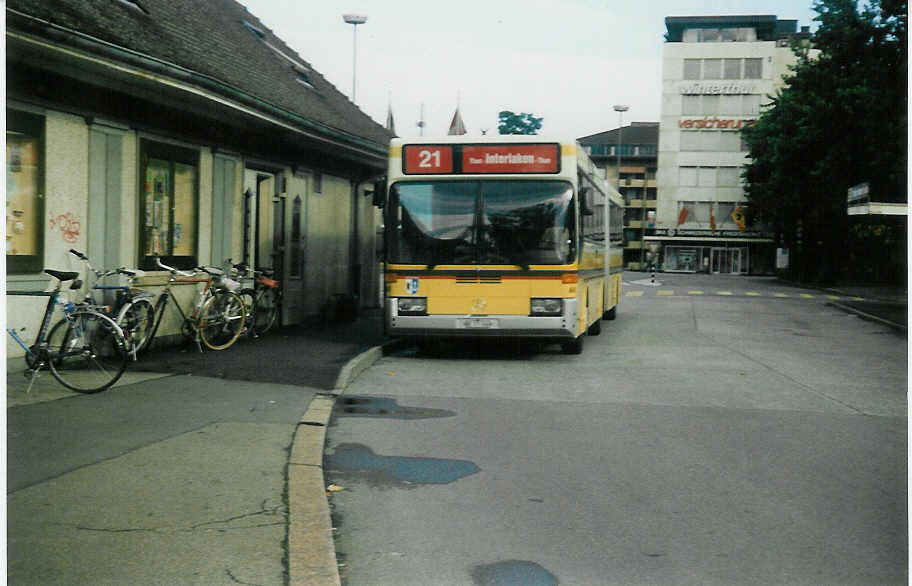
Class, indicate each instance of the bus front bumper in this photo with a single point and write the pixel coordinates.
(561, 327)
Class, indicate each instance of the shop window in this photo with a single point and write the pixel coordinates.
(169, 205)
(24, 192)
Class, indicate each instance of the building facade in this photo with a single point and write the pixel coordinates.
(185, 130)
(629, 156)
(718, 72)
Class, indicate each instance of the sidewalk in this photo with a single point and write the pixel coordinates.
(887, 304)
(103, 461)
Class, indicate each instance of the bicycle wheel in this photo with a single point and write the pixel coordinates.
(87, 352)
(248, 296)
(221, 320)
(136, 319)
(267, 309)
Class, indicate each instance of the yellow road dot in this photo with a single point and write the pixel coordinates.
(857, 298)
(806, 296)
(695, 292)
(665, 293)
(634, 294)
(752, 294)
(725, 292)
(834, 297)
(781, 295)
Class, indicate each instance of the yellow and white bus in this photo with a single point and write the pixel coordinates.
(510, 236)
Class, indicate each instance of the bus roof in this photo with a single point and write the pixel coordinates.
(484, 139)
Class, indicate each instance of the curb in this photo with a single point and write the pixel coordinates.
(311, 545)
(870, 317)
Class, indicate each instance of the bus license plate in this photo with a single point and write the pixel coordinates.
(475, 323)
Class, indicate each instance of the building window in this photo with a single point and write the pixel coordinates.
(169, 205)
(318, 182)
(691, 105)
(753, 68)
(24, 192)
(729, 176)
(692, 68)
(731, 69)
(712, 69)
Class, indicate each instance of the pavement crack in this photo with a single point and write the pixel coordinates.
(235, 579)
(274, 511)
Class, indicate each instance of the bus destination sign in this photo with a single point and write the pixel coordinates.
(512, 158)
(430, 159)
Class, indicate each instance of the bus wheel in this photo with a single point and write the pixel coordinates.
(573, 347)
(611, 313)
(596, 328)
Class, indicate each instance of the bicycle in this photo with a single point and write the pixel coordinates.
(262, 297)
(218, 316)
(85, 351)
(132, 310)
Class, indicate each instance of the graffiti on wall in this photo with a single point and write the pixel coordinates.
(67, 225)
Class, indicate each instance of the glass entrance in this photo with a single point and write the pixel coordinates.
(726, 260)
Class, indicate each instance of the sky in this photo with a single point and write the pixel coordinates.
(567, 61)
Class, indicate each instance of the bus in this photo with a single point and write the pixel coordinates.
(507, 236)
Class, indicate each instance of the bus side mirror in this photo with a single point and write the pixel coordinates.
(585, 210)
(379, 198)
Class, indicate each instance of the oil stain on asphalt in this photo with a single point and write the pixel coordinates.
(513, 572)
(359, 461)
(352, 406)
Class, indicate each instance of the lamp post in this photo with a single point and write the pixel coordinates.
(620, 109)
(354, 20)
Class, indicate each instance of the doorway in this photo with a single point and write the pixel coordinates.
(726, 260)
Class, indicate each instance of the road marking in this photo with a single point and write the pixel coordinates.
(724, 293)
(806, 296)
(695, 292)
(833, 297)
(857, 298)
(665, 293)
(634, 294)
(752, 294)
(780, 295)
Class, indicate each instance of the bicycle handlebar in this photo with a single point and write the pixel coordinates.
(172, 270)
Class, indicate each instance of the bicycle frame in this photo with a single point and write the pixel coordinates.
(41, 339)
(162, 303)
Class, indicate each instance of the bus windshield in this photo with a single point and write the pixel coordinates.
(482, 222)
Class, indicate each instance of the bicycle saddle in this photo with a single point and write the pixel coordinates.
(62, 275)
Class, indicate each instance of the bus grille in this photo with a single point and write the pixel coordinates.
(478, 280)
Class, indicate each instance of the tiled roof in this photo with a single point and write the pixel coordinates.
(210, 38)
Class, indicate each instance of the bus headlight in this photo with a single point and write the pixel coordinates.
(545, 306)
(412, 306)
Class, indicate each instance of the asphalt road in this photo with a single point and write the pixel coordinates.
(717, 432)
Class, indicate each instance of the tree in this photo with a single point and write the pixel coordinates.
(510, 123)
(840, 120)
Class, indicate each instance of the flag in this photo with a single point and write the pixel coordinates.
(682, 215)
(456, 126)
(740, 218)
(390, 124)
(712, 218)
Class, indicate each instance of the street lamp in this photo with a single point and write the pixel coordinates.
(620, 109)
(354, 20)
